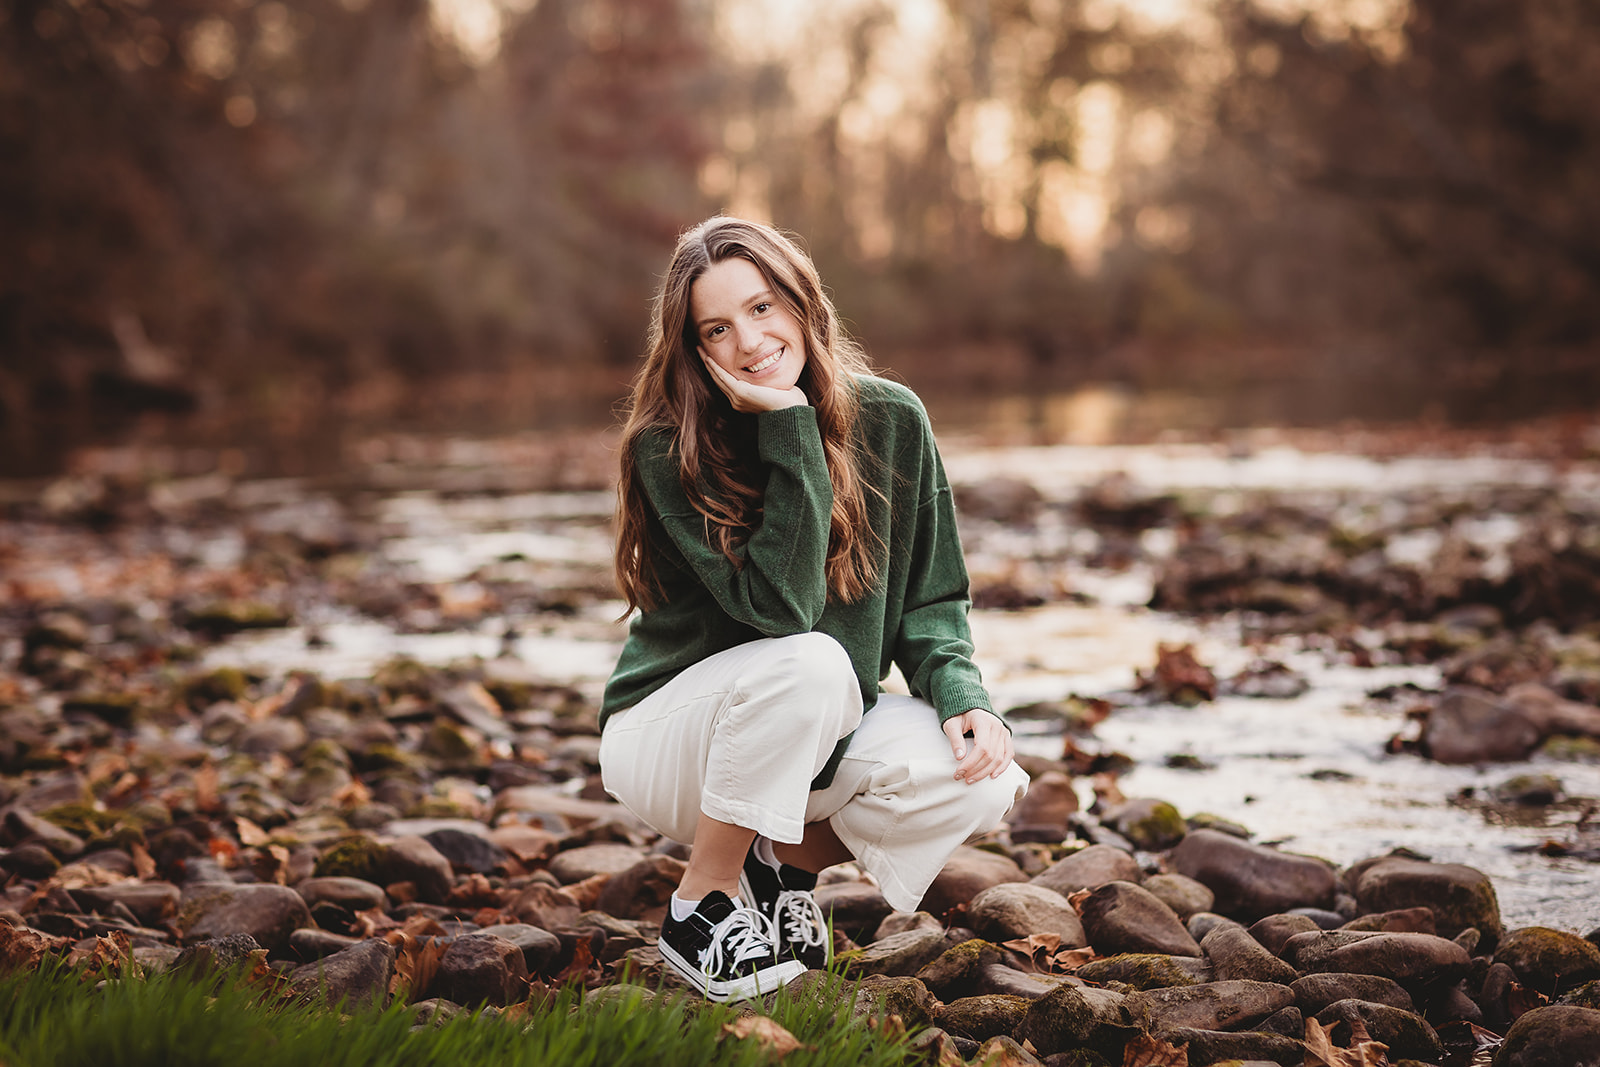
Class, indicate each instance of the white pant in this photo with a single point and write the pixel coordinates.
(740, 735)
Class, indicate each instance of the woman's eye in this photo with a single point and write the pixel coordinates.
(715, 331)
(761, 308)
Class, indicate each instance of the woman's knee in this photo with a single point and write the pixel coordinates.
(809, 673)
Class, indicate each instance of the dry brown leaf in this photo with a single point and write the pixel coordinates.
(371, 922)
(206, 782)
(1520, 999)
(1077, 899)
(416, 962)
(1106, 790)
(1039, 949)
(22, 949)
(578, 969)
(1363, 1052)
(1002, 1052)
(111, 953)
(765, 1032)
(474, 891)
(83, 876)
(587, 892)
(250, 835)
(1147, 1051)
(143, 864)
(1070, 959)
(353, 795)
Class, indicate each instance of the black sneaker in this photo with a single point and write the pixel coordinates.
(725, 952)
(783, 897)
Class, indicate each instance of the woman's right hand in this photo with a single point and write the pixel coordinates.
(750, 398)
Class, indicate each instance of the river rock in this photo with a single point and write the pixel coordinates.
(956, 971)
(1407, 1035)
(1123, 917)
(1146, 970)
(1017, 909)
(1185, 896)
(352, 894)
(213, 955)
(1209, 1006)
(898, 955)
(876, 993)
(1202, 923)
(898, 922)
(269, 737)
(1459, 896)
(1550, 961)
(999, 978)
(33, 862)
(1585, 996)
(1234, 954)
(1069, 1018)
(982, 1017)
(1470, 725)
(643, 890)
(546, 907)
(1042, 814)
(1413, 960)
(1249, 880)
(1555, 1036)
(854, 907)
(411, 859)
(586, 861)
(1250, 1047)
(467, 852)
(1089, 867)
(355, 977)
(1150, 824)
(968, 872)
(22, 826)
(309, 943)
(481, 968)
(1400, 921)
(1316, 991)
(267, 913)
(539, 947)
(151, 903)
(1274, 931)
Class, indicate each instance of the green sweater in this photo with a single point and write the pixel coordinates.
(914, 617)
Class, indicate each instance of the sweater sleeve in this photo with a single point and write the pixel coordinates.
(779, 586)
(934, 646)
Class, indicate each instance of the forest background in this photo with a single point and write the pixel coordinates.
(270, 217)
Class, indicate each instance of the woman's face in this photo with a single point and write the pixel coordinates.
(743, 327)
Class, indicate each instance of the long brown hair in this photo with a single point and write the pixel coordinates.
(674, 392)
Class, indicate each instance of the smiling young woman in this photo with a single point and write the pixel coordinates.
(786, 534)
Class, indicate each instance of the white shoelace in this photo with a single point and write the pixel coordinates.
(743, 935)
(800, 918)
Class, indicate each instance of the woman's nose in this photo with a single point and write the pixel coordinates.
(748, 337)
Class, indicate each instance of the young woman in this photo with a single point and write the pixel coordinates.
(786, 535)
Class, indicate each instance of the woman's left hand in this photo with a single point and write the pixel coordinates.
(987, 753)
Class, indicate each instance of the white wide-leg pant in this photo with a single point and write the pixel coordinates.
(740, 735)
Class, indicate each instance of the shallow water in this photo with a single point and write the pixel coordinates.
(1262, 753)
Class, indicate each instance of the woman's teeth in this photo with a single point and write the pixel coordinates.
(761, 365)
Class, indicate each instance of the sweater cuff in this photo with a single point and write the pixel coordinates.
(787, 431)
(961, 697)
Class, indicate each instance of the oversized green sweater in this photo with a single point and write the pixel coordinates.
(915, 616)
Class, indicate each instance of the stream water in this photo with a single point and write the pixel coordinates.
(1309, 772)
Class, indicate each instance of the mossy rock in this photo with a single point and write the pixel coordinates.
(224, 683)
(85, 820)
(983, 1017)
(221, 617)
(1159, 828)
(147, 815)
(446, 743)
(1141, 970)
(1547, 960)
(385, 756)
(324, 752)
(1205, 820)
(1571, 749)
(434, 807)
(905, 997)
(354, 857)
(1585, 996)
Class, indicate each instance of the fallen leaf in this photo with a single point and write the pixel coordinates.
(353, 795)
(587, 892)
(1148, 1051)
(374, 921)
(1038, 949)
(206, 781)
(1520, 1000)
(22, 949)
(1070, 959)
(1363, 1051)
(143, 864)
(1077, 899)
(109, 953)
(765, 1032)
(578, 969)
(1002, 1052)
(416, 962)
(250, 835)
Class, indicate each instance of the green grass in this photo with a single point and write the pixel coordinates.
(52, 1019)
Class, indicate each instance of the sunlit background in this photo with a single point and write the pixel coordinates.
(1085, 218)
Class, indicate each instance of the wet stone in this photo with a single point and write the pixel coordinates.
(1147, 970)
(1149, 823)
(982, 1017)
(1249, 880)
(150, 903)
(268, 913)
(1088, 868)
(1459, 896)
(481, 969)
(355, 976)
(539, 947)
(1184, 895)
(586, 861)
(898, 955)
(1123, 917)
(968, 872)
(1235, 954)
(1210, 1006)
(1017, 909)
(1407, 1035)
(1413, 960)
(351, 894)
(1274, 931)
(1551, 961)
(1316, 991)
(1470, 725)
(467, 851)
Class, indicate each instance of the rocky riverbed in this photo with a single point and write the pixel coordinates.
(354, 723)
